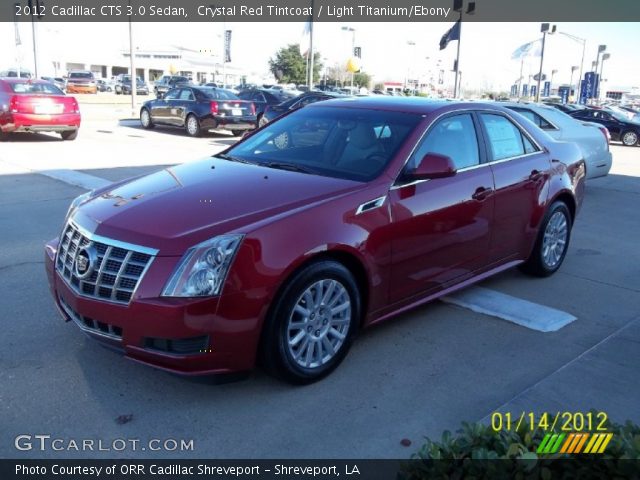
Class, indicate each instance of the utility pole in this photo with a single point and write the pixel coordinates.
(310, 79)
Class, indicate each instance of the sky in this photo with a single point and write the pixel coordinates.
(390, 51)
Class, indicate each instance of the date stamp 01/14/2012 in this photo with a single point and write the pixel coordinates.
(563, 432)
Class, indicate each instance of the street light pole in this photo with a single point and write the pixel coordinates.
(584, 47)
(134, 78)
(573, 69)
(353, 46)
(544, 28)
(605, 56)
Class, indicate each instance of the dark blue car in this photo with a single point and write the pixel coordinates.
(198, 109)
(620, 127)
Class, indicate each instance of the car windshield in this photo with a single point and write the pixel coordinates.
(218, 93)
(37, 88)
(81, 75)
(349, 143)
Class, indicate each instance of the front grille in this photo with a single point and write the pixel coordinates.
(179, 346)
(116, 272)
(91, 325)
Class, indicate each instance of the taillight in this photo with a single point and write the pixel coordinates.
(13, 105)
(606, 134)
(75, 106)
(214, 108)
(253, 108)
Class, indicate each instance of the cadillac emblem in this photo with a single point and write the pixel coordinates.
(85, 262)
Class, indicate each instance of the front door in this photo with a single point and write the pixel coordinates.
(441, 227)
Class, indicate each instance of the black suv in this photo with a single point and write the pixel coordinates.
(167, 82)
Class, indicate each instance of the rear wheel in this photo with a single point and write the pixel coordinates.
(70, 135)
(192, 126)
(145, 119)
(312, 323)
(629, 138)
(552, 242)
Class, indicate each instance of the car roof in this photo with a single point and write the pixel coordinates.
(403, 104)
(22, 80)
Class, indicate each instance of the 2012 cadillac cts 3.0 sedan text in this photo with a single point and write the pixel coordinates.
(329, 219)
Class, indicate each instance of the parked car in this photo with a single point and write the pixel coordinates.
(167, 82)
(272, 112)
(81, 81)
(37, 106)
(104, 85)
(198, 109)
(591, 138)
(565, 107)
(57, 81)
(141, 87)
(620, 127)
(13, 73)
(263, 97)
(336, 217)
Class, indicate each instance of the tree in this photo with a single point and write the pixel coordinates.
(362, 79)
(289, 66)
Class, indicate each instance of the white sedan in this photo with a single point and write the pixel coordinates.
(591, 138)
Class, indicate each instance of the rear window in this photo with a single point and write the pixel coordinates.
(81, 75)
(41, 88)
(218, 94)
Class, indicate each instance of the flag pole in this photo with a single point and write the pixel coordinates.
(520, 84)
(455, 84)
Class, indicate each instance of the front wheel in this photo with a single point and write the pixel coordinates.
(629, 139)
(192, 126)
(552, 242)
(70, 135)
(312, 323)
(145, 119)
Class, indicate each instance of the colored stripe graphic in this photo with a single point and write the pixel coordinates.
(581, 443)
(556, 443)
(598, 443)
(551, 443)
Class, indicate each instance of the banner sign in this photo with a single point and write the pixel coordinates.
(525, 90)
(546, 91)
(534, 89)
(589, 87)
(227, 46)
(564, 93)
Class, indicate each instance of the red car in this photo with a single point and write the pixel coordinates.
(329, 219)
(37, 106)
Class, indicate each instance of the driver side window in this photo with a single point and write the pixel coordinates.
(454, 137)
(172, 94)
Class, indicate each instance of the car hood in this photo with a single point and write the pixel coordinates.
(181, 206)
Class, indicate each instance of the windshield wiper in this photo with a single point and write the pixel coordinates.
(224, 156)
(290, 166)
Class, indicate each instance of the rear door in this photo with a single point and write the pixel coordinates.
(182, 106)
(521, 170)
(442, 227)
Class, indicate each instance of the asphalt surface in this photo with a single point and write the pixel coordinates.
(415, 376)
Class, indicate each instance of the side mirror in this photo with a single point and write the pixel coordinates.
(434, 165)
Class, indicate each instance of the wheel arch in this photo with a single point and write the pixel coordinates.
(568, 199)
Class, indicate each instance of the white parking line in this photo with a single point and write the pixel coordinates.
(78, 179)
(516, 310)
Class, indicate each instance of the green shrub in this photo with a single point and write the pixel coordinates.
(477, 451)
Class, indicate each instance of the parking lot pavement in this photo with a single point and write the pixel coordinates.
(421, 373)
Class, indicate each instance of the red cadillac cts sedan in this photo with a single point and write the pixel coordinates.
(37, 106)
(332, 218)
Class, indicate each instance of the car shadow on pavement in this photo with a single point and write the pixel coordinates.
(33, 137)
(220, 138)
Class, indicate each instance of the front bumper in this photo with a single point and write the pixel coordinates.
(229, 325)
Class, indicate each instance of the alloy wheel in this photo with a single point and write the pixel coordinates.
(555, 239)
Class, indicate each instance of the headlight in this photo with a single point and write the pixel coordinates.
(80, 199)
(203, 268)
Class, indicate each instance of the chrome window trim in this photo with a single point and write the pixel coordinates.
(540, 115)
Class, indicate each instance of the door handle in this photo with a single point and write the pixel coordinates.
(535, 175)
(481, 193)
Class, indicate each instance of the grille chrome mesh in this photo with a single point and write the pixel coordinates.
(117, 270)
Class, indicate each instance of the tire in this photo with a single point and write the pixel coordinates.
(69, 135)
(192, 126)
(322, 342)
(629, 138)
(3, 136)
(549, 251)
(237, 133)
(145, 119)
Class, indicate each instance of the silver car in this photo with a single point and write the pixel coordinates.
(591, 138)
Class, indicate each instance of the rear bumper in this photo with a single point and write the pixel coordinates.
(213, 122)
(600, 166)
(72, 88)
(26, 122)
